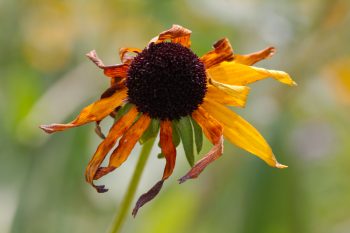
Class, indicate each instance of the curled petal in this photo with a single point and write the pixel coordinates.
(238, 94)
(222, 52)
(94, 112)
(169, 152)
(210, 157)
(234, 73)
(213, 130)
(110, 71)
(126, 144)
(124, 54)
(116, 131)
(241, 133)
(176, 34)
(148, 196)
(252, 58)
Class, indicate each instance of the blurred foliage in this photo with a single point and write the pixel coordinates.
(45, 78)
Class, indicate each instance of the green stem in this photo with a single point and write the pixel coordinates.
(129, 196)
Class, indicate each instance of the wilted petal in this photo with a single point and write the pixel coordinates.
(169, 152)
(238, 74)
(94, 112)
(112, 71)
(146, 197)
(176, 34)
(238, 94)
(252, 58)
(241, 133)
(222, 52)
(116, 131)
(124, 54)
(214, 153)
(213, 130)
(126, 144)
(167, 146)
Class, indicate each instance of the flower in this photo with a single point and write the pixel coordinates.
(167, 86)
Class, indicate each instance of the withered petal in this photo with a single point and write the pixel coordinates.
(252, 58)
(222, 52)
(125, 56)
(126, 144)
(94, 112)
(112, 71)
(116, 131)
(213, 130)
(148, 196)
(215, 152)
(177, 34)
(167, 146)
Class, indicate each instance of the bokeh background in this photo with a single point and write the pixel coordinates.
(45, 78)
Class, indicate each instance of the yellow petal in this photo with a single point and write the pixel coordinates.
(176, 34)
(227, 94)
(252, 58)
(241, 133)
(238, 74)
(94, 112)
(222, 52)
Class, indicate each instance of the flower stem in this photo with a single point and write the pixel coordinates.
(129, 196)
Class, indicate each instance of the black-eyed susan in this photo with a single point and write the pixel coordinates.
(169, 87)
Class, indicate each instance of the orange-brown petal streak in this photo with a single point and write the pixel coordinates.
(168, 148)
(169, 151)
(177, 34)
(252, 58)
(124, 54)
(116, 131)
(222, 52)
(112, 71)
(213, 130)
(94, 112)
(126, 144)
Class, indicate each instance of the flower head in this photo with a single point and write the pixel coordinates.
(167, 86)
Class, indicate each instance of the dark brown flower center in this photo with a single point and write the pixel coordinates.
(166, 81)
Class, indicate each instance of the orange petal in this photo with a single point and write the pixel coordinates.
(226, 94)
(177, 34)
(126, 144)
(168, 148)
(222, 52)
(234, 73)
(125, 56)
(169, 151)
(112, 71)
(252, 58)
(241, 133)
(94, 112)
(213, 130)
(116, 131)
(211, 127)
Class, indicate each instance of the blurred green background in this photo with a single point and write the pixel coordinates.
(45, 78)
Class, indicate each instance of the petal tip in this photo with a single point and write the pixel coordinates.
(280, 166)
(294, 84)
(46, 128)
